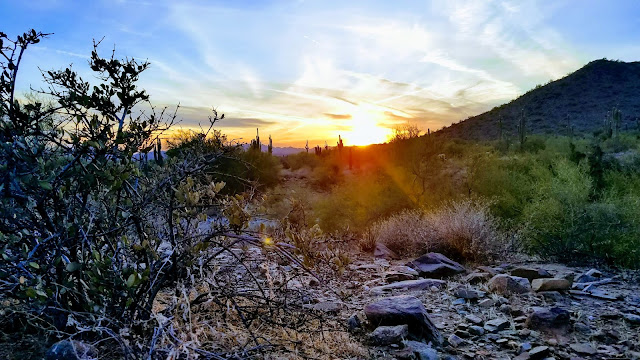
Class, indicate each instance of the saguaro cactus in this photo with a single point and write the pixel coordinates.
(307, 146)
(157, 153)
(522, 130)
(270, 147)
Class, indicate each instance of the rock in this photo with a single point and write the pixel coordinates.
(530, 273)
(476, 320)
(583, 349)
(496, 325)
(354, 323)
(435, 265)
(468, 294)
(462, 333)
(551, 295)
(549, 320)
(505, 309)
(539, 352)
(71, 350)
(387, 335)
(595, 273)
(582, 328)
(395, 276)
(632, 318)
(329, 307)
(458, 301)
(400, 310)
(524, 347)
(476, 278)
(584, 278)
(455, 341)
(383, 252)
(422, 350)
(476, 330)
(420, 284)
(508, 285)
(550, 285)
(487, 303)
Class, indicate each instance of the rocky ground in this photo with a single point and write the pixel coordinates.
(434, 308)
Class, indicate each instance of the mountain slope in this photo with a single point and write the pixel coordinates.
(584, 97)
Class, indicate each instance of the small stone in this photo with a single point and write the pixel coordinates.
(468, 294)
(539, 352)
(436, 265)
(550, 284)
(354, 323)
(383, 252)
(549, 320)
(584, 278)
(386, 335)
(476, 330)
(595, 273)
(395, 276)
(508, 285)
(462, 334)
(420, 284)
(552, 342)
(455, 340)
(458, 302)
(583, 349)
(487, 303)
(476, 320)
(530, 273)
(505, 309)
(520, 319)
(496, 325)
(421, 350)
(582, 328)
(502, 341)
(551, 295)
(331, 307)
(524, 347)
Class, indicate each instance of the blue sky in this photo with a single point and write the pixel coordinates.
(314, 69)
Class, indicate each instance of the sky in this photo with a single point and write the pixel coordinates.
(312, 70)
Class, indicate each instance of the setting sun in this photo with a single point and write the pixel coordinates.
(365, 130)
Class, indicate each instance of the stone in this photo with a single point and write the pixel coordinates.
(381, 251)
(549, 320)
(530, 273)
(387, 335)
(331, 307)
(403, 269)
(476, 320)
(583, 349)
(496, 325)
(468, 294)
(420, 284)
(436, 265)
(584, 278)
(455, 341)
(632, 318)
(524, 347)
(508, 285)
(551, 295)
(354, 323)
(476, 330)
(458, 301)
(476, 278)
(421, 350)
(539, 352)
(487, 303)
(400, 310)
(491, 270)
(462, 333)
(71, 350)
(595, 273)
(550, 284)
(395, 276)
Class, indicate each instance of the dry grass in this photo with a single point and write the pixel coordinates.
(464, 230)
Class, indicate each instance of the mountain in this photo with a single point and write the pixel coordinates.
(581, 99)
(278, 151)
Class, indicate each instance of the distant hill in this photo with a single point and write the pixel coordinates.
(584, 96)
(278, 151)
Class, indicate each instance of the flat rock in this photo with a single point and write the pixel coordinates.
(476, 330)
(436, 265)
(395, 276)
(487, 303)
(496, 325)
(420, 284)
(455, 341)
(476, 278)
(550, 285)
(387, 335)
(538, 352)
(509, 285)
(632, 318)
(401, 310)
(469, 294)
(583, 349)
(549, 320)
(530, 273)
(476, 320)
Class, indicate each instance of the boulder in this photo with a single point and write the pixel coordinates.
(530, 273)
(551, 320)
(420, 284)
(71, 350)
(387, 335)
(550, 284)
(383, 252)
(401, 310)
(435, 265)
(509, 285)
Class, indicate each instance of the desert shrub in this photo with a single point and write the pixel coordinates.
(408, 233)
(464, 230)
(260, 167)
(300, 160)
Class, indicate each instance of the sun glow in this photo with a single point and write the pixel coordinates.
(365, 130)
